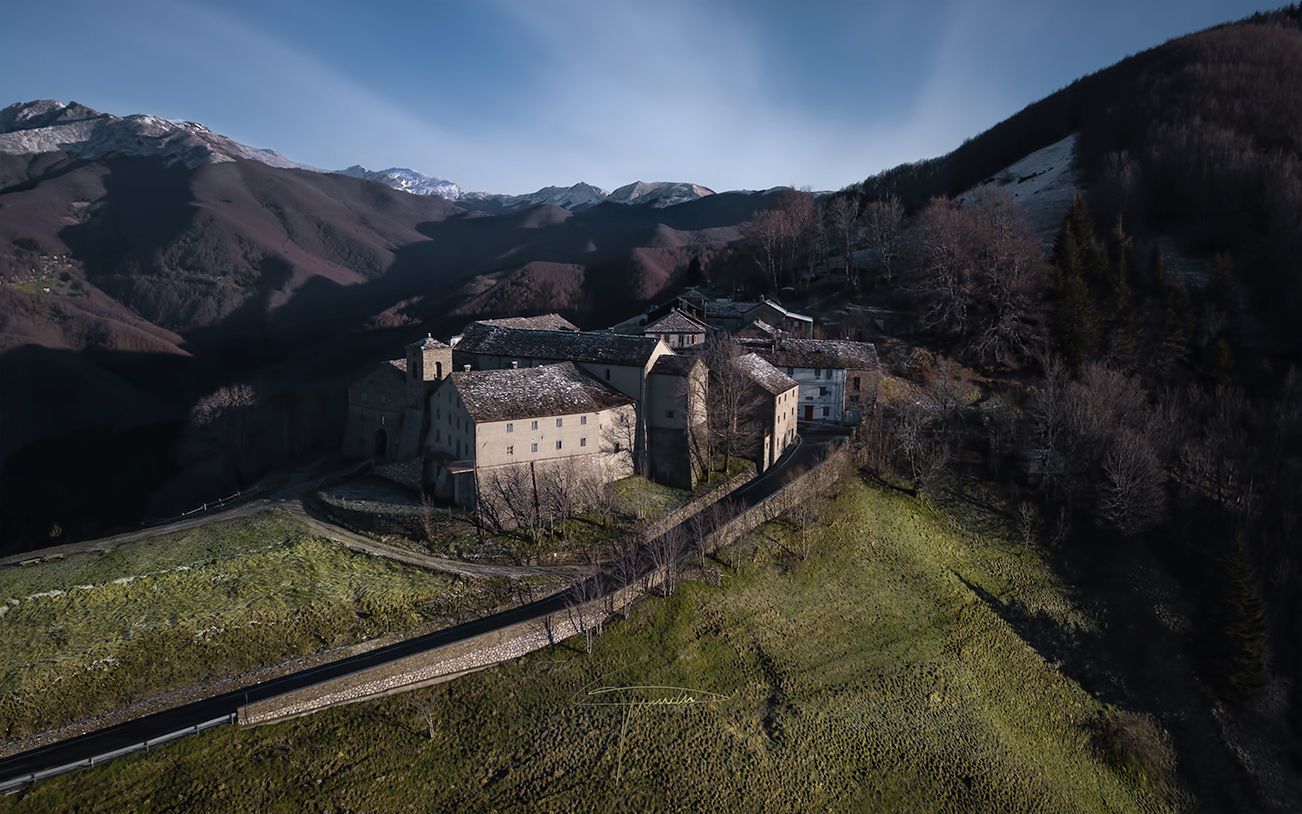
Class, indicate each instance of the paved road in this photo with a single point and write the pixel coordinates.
(813, 448)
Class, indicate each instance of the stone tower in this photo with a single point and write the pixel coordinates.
(428, 362)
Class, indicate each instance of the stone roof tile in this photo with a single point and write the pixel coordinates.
(533, 392)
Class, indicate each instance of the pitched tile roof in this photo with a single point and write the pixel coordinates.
(676, 322)
(673, 365)
(783, 310)
(533, 392)
(428, 342)
(542, 322)
(573, 346)
(811, 353)
(764, 374)
(727, 309)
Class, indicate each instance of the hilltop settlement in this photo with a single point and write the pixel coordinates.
(489, 416)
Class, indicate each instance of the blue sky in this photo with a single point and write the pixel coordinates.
(511, 95)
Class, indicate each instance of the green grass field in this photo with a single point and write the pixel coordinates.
(874, 676)
(93, 631)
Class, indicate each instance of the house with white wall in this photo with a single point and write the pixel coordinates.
(837, 377)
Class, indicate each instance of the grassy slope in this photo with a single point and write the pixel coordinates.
(94, 631)
(871, 677)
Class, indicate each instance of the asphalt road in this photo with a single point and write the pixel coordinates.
(813, 447)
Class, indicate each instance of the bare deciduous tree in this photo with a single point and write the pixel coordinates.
(583, 609)
(666, 555)
(979, 275)
(842, 215)
(883, 221)
(1131, 497)
(1028, 522)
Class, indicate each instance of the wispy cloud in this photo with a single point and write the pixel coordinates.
(607, 91)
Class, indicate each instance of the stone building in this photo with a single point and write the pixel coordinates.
(770, 410)
(676, 418)
(734, 316)
(624, 362)
(678, 329)
(510, 440)
(386, 407)
(838, 378)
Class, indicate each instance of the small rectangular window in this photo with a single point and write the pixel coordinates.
(583, 442)
(822, 391)
(583, 419)
(818, 373)
(510, 427)
(560, 422)
(856, 382)
(790, 371)
(510, 450)
(607, 374)
(533, 425)
(533, 447)
(558, 444)
(825, 412)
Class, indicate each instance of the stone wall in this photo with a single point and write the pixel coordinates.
(707, 498)
(816, 480)
(457, 659)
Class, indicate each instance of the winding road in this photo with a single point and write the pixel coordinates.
(815, 444)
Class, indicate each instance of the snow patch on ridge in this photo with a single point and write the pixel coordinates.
(1043, 182)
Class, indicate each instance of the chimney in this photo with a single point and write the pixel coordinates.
(466, 368)
(515, 365)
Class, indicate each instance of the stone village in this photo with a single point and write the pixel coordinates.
(481, 420)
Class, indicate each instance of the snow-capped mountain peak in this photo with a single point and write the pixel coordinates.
(47, 125)
(407, 180)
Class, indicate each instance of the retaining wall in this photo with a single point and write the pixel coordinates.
(709, 497)
(467, 656)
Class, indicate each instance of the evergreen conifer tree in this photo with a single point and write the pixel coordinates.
(1243, 631)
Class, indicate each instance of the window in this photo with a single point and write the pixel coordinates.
(607, 374)
(560, 422)
(533, 425)
(790, 371)
(365, 394)
(510, 450)
(825, 412)
(510, 427)
(822, 391)
(669, 413)
(818, 373)
(533, 447)
(855, 383)
(558, 444)
(583, 419)
(583, 442)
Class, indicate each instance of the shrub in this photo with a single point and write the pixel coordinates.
(1136, 744)
(27, 244)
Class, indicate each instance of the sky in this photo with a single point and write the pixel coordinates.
(512, 95)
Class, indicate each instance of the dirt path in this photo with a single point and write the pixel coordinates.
(366, 545)
(288, 501)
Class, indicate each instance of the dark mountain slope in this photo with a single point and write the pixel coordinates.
(153, 284)
(1198, 140)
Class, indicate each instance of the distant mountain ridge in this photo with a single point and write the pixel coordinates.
(46, 125)
(658, 194)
